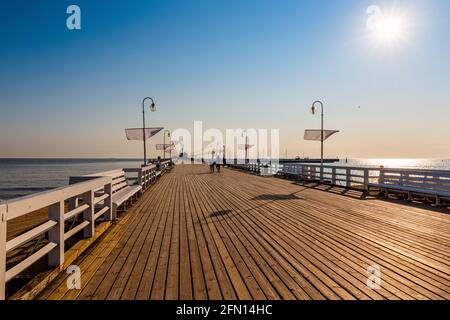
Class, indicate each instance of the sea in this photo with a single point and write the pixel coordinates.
(21, 177)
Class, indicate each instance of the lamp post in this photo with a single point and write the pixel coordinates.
(168, 135)
(246, 145)
(152, 109)
(313, 111)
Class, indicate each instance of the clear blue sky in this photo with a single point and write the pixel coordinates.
(233, 63)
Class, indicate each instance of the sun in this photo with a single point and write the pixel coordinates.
(387, 28)
(390, 29)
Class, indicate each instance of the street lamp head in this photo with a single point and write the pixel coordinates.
(153, 107)
(313, 106)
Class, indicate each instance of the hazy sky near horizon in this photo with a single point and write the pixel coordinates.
(231, 64)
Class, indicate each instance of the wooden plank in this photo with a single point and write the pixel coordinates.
(160, 277)
(104, 279)
(235, 277)
(172, 290)
(129, 273)
(205, 281)
(185, 267)
(220, 266)
(137, 272)
(145, 289)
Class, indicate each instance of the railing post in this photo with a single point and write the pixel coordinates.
(381, 176)
(73, 203)
(140, 181)
(333, 176)
(56, 234)
(3, 229)
(108, 202)
(348, 177)
(402, 178)
(88, 214)
(366, 179)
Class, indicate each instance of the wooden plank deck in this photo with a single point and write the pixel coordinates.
(238, 236)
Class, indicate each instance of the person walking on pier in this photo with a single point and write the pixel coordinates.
(211, 162)
(158, 164)
(217, 162)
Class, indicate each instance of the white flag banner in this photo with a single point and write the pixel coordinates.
(167, 147)
(137, 133)
(315, 135)
(242, 146)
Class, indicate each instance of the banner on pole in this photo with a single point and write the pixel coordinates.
(167, 147)
(242, 146)
(137, 134)
(315, 135)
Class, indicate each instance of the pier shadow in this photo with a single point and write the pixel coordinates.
(351, 193)
(269, 199)
(361, 195)
(221, 213)
(277, 197)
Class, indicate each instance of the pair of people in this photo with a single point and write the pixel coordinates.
(215, 163)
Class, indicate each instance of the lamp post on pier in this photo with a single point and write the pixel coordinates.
(313, 111)
(246, 146)
(165, 146)
(152, 109)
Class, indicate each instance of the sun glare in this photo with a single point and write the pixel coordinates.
(388, 28)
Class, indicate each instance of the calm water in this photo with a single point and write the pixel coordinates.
(19, 177)
(438, 164)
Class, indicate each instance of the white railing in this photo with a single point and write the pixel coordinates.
(55, 201)
(85, 201)
(165, 165)
(354, 177)
(144, 176)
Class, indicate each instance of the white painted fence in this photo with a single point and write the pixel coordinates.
(95, 192)
(144, 176)
(55, 201)
(427, 182)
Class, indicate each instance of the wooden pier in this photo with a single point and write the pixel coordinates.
(234, 235)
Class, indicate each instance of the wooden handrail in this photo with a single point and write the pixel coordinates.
(21, 206)
(55, 200)
(95, 190)
(354, 176)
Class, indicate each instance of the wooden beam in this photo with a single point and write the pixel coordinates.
(56, 234)
(108, 203)
(88, 214)
(3, 229)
